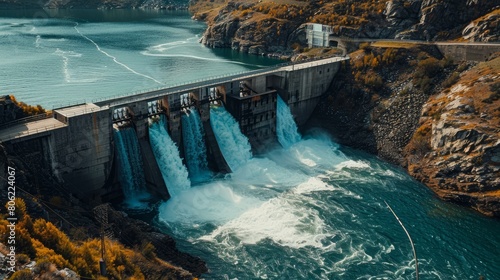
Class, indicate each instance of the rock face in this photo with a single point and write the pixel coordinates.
(243, 33)
(462, 163)
(485, 29)
(435, 20)
(446, 135)
(380, 120)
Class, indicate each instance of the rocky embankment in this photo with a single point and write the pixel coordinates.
(249, 26)
(267, 27)
(94, 4)
(437, 119)
(484, 29)
(461, 128)
(437, 20)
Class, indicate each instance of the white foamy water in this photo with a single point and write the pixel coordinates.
(286, 129)
(283, 220)
(233, 144)
(167, 156)
(279, 218)
(214, 203)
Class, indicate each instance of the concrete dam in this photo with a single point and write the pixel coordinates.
(132, 140)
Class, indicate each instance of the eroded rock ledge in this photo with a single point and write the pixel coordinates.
(443, 128)
(263, 27)
(462, 125)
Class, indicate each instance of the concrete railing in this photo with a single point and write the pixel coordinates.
(187, 86)
(34, 118)
(28, 132)
(120, 100)
(82, 112)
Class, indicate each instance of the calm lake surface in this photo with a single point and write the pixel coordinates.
(55, 58)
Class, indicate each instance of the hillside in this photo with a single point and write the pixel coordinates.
(406, 103)
(275, 26)
(460, 133)
(57, 234)
(415, 108)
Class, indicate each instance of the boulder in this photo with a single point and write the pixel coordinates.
(484, 29)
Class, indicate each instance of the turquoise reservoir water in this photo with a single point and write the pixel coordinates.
(317, 211)
(54, 58)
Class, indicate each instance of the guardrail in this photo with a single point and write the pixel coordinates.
(33, 118)
(174, 88)
(30, 132)
(69, 104)
(160, 91)
(422, 42)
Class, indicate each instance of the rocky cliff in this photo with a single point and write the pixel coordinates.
(436, 20)
(460, 126)
(436, 118)
(275, 26)
(250, 26)
(484, 29)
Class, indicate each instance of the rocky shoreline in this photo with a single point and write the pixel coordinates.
(446, 137)
(385, 110)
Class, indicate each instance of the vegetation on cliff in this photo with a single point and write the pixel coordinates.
(418, 109)
(26, 109)
(276, 26)
(456, 148)
(11, 109)
(57, 230)
(41, 241)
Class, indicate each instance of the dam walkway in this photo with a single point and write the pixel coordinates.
(61, 115)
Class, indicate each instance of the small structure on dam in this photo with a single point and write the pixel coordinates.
(78, 145)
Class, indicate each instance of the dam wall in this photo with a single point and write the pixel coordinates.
(77, 142)
(468, 52)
